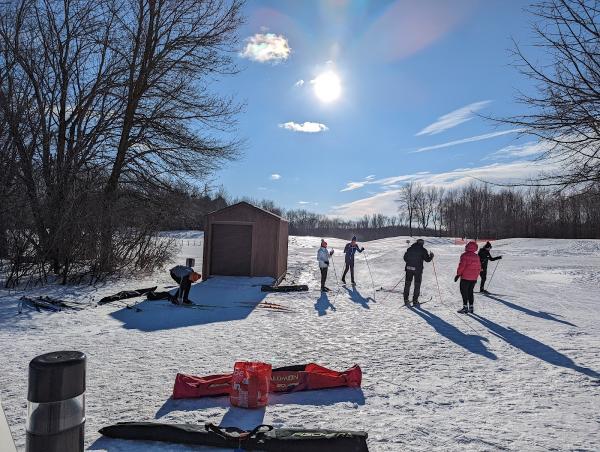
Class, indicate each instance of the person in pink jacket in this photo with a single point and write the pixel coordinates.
(468, 272)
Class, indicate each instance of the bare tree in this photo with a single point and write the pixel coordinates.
(407, 202)
(168, 50)
(565, 112)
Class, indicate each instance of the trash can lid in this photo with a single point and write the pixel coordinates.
(56, 376)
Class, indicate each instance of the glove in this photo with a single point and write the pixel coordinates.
(499, 257)
(326, 262)
(331, 253)
(456, 278)
(363, 248)
(431, 255)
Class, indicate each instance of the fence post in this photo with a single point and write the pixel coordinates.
(56, 402)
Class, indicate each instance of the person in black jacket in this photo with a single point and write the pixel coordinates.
(484, 257)
(414, 257)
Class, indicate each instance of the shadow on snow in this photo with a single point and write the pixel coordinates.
(323, 304)
(539, 314)
(248, 419)
(220, 299)
(357, 297)
(473, 343)
(534, 347)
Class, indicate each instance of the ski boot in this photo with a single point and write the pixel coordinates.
(416, 303)
(343, 281)
(471, 309)
(464, 310)
(407, 303)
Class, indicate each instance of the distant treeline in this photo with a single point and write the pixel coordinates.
(474, 211)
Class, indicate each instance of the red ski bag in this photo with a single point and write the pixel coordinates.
(250, 384)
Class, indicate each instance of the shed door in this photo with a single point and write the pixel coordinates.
(231, 250)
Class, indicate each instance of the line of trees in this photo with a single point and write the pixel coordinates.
(105, 107)
(474, 211)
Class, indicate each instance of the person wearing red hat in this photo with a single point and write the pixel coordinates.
(468, 272)
(184, 276)
(323, 255)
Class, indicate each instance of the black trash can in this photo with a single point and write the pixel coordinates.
(56, 402)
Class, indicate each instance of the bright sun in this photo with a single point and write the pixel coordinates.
(327, 86)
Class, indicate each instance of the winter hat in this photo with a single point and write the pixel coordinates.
(487, 245)
(471, 246)
(421, 241)
(354, 238)
(323, 243)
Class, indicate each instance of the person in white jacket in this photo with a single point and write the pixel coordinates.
(323, 256)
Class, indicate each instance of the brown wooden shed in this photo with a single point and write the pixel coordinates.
(243, 240)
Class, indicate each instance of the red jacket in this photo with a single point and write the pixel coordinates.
(469, 265)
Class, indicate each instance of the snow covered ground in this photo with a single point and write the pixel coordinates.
(523, 374)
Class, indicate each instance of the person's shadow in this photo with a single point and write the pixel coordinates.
(323, 304)
(539, 314)
(357, 298)
(471, 342)
(533, 347)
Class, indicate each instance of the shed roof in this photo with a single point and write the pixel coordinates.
(248, 205)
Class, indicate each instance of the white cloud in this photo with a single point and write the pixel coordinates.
(385, 182)
(385, 202)
(454, 118)
(485, 136)
(307, 127)
(275, 176)
(370, 177)
(528, 149)
(265, 47)
(299, 83)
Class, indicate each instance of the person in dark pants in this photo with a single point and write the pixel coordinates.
(468, 271)
(323, 256)
(349, 251)
(414, 257)
(184, 276)
(484, 257)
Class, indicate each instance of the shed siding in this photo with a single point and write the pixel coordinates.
(269, 240)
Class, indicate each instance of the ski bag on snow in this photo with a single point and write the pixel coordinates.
(302, 377)
(263, 437)
(297, 288)
(250, 384)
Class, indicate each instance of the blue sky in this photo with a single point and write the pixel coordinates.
(413, 76)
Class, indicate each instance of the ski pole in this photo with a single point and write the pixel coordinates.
(437, 282)
(493, 273)
(371, 274)
(392, 289)
(337, 285)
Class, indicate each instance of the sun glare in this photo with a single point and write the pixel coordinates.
(327, 86)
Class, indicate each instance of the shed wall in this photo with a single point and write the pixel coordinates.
(269, 239)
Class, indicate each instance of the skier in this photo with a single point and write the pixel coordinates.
(468, 271)
(184, 276)
(323, 256)
(350, 250)
(484, 257)
(414, 257)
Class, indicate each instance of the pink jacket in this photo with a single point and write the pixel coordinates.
(469, 265)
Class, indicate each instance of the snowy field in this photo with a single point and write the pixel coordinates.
(522, 374)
